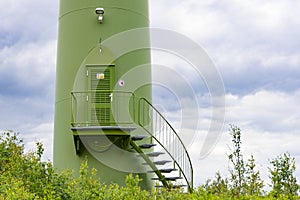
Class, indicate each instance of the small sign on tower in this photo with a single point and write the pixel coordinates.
(100, 76)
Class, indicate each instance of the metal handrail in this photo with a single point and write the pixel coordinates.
(165, 135)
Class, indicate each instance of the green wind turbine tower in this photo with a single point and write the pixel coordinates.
(103, 110)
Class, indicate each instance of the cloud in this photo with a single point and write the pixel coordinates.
(254, 44)
(266, 110)
(42, 133)
(28, 31)
(23, 21)
(23, 114)
(27, 69)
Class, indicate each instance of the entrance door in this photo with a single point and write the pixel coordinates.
(100, 82)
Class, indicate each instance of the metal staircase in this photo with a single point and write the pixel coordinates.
(161, 148)
(163, 135)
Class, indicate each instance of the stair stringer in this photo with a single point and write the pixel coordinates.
(185, 167)
(150, 163)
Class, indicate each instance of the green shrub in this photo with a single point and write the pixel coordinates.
(25, 176)
(284, 182)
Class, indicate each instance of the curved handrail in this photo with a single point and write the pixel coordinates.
(176, 149)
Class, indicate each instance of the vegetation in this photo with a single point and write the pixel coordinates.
(284, 182)
(244, 179)
(25, 176)
(237, 173)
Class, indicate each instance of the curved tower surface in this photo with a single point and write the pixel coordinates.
(97, 82)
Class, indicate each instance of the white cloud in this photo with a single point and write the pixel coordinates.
(267, 110)
(291, 61)
(28, 68)
(41, 133)
(251, 42)
(222, 19)
(194, 19)
(30, 20)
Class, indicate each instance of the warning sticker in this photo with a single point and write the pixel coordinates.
(100, 76)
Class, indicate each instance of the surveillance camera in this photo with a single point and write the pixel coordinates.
(100, 11)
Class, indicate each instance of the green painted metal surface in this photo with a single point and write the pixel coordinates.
(79, 41)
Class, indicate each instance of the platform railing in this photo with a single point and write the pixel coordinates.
(100, 107)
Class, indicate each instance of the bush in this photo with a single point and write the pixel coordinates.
(25, 176)
(284, 182)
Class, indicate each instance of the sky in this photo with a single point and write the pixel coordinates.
(254, 46)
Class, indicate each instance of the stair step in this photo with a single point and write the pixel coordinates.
(147, 146)
(161, 162)
(138, 137)
(168, 178)
(178, 186)
(153, 154)
(173, 186)
(165, 170)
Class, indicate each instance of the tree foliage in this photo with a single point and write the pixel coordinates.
(25, 176)
(244, 178)
(237, 172)
(282, 176)
(253, 182)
